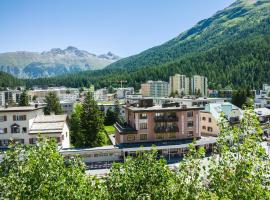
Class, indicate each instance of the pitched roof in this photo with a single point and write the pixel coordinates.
(48, 124)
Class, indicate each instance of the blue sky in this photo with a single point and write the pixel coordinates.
(125, 27)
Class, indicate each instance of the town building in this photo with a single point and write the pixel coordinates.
(145, 122)
(10, 96)
(262, 97)
(50, 126)
(63, 93)
(121, 93)
(179, 84)
(211, 115)
(264, 119)
(24, 124)
(155, 89)
(199, 85)
(188, 101)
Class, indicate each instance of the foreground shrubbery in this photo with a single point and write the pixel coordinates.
(239, 171)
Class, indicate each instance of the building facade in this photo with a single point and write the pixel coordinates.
(147, 123)
(180, 84)
(199, 85)
(210, 117)
(155, 89)
(20, 123)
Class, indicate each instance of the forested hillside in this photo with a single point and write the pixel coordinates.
(243, 19)
(239, 63)
(7, 80)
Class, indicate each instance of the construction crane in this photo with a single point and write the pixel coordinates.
(120, 81)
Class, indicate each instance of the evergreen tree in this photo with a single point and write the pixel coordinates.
(91, 122)
(75, 126)
(117, 111)
(52, 104)
(24, 101)
(110, 117)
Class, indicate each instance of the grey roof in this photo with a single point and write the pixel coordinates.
(262, 111)
(48, 124)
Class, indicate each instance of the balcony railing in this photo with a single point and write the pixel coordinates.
(166, 129)
(166, 119)
(124, 128)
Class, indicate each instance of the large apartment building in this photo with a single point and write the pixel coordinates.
(199, 85)
(148, 123)
(25, 124)
(180, 84)
(155, 89)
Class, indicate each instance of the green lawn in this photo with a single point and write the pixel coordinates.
(109, 129)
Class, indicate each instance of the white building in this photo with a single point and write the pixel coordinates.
(262, 98)
(63, 93)
(21, 124)
(199, 85)
(101, 94)
(50, 126)
(121, 93)
(180, 84)
(9, 96)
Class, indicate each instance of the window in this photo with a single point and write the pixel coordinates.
(143, 137)
(209, 120)
(3, 130)
(19, 117)
(204, 127)
(4, 142)
(32, 140)
(24, 130)
(189, 114)
(63, 137)
(143, 125)
(131, 137)
(143, 116)
(190, 134)
(190, 124)
(15, 128)
(210, 129)
(3, 118)
(203, 118)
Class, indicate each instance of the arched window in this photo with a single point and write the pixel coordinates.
(15, 128)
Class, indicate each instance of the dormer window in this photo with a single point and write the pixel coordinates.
(15, 128)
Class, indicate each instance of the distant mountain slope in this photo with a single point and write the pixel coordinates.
(230, 48)
(53, 62)
(243, 18)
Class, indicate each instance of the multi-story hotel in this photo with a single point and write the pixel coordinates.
(180, 84)
(148, 123)
(199, 85)
(155, 89)
(25, 124)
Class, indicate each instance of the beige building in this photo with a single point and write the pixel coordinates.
(199, 85)
(210, 117)
(180, 84)
(155, 89)
(148, 123)
(24, 124)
